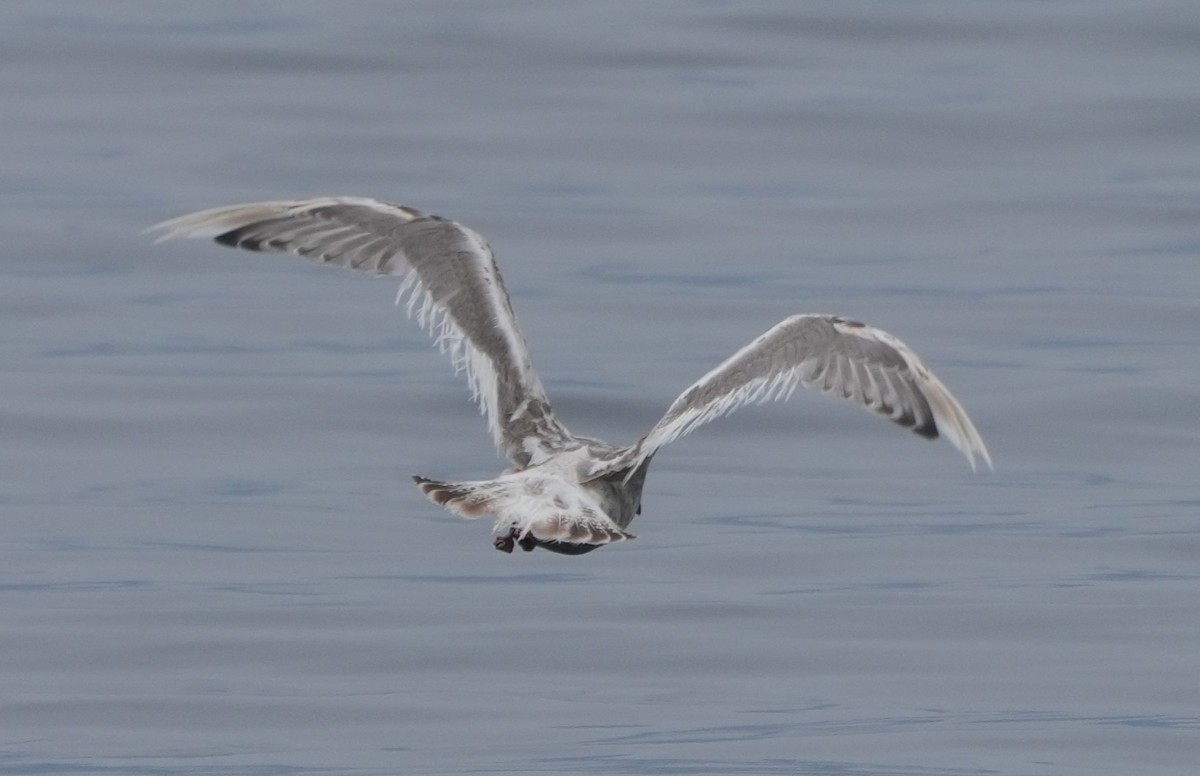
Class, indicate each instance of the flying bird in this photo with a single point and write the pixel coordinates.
(564, 492)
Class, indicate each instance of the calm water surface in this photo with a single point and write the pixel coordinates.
(213, 561)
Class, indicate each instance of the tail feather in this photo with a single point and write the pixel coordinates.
(469, 499)
(542, 509)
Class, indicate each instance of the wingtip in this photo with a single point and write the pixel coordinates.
(161, 229)
(175, 228)
(975, 453)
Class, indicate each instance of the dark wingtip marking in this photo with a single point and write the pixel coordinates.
(243, 238)
(228, 239)
(240, 238)
(928, 429)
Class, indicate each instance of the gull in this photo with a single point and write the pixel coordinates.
(565, 492)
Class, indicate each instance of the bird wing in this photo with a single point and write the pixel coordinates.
(845, 358)
(451, 283)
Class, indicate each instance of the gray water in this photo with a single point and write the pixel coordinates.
(214, 562)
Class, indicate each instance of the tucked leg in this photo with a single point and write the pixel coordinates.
(505, 542)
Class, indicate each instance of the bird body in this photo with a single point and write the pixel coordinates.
(560, 504)
(567, 493)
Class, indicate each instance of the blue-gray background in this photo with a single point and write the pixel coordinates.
(213, 561)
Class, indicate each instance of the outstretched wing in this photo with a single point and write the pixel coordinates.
(451, 283)
(857, 362)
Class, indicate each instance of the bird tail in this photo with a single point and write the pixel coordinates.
(468, 499)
